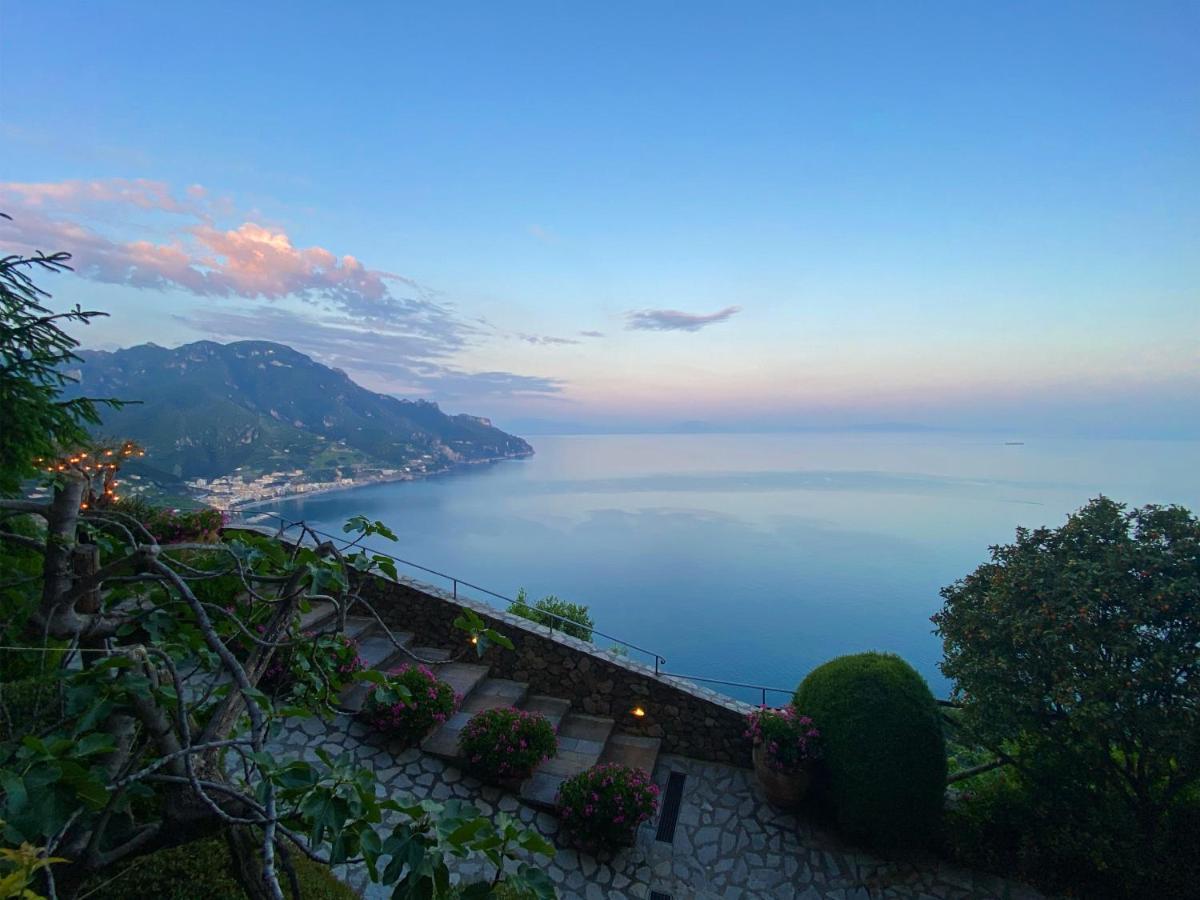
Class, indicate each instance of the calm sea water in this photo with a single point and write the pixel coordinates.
(754, 557)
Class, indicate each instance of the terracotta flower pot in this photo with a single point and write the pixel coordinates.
(783, 789)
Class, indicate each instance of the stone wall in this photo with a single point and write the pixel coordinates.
(691, 720)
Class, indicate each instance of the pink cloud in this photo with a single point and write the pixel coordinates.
(252, 261)
(142, 193)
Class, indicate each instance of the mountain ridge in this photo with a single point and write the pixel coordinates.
(208, 409)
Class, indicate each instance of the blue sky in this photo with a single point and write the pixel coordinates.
(962, 215)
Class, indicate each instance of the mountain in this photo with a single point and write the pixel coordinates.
(208, 409)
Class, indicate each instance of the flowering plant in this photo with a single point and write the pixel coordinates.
(410, 703)
(602, 807)
(788, 739)
(504, 744)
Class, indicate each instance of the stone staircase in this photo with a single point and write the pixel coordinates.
(583, 740)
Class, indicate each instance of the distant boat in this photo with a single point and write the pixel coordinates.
(1014, 443)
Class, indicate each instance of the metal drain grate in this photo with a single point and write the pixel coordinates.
(659, 895)
(672, 800)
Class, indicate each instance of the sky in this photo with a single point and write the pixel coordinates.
(626, 216)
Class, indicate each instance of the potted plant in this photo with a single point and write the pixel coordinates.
(785, 744)
(505, 745)
(409, 704)
(601, 808)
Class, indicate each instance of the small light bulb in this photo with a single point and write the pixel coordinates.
(638, 712)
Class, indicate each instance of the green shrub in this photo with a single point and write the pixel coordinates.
(884, 772)
(505, 744)
(171, 526)
(1082, 842)
(1073, 650)
(202, 871)
(20, 591)
(29, 705)
(579, 622)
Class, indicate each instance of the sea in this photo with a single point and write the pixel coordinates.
(751, 558)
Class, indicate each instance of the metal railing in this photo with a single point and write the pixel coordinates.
(763, 689)
(456, 582)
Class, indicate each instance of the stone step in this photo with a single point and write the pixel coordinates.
(493, 693)
(378, 652)
(431, 653)
(357, 627)
(631, 750)
(464, 678)
(316, 616)
(581, 741)
(553, 708)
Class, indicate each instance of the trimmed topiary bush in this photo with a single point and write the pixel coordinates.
(202, 871)
(507, 744)
(885, 755)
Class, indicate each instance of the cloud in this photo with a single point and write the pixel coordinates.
(76, 194)
(674, 320)
(404, 362)
(251, 261)
(591, 334)
(544, 340)
(392, 329)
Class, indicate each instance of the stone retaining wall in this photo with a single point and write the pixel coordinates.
(691, 720)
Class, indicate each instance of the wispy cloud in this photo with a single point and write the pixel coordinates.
(674, 320)
(402, 362)
(543, 340)
(75, 194)
(591, 334)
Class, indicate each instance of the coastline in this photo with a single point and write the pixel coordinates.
(372, 480)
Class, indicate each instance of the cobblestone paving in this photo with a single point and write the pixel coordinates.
(729, 843)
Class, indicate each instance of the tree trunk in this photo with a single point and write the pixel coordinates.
(58, 574)
(245, 847)
(85, 560)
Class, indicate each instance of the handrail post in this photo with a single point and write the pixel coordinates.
(455, 580)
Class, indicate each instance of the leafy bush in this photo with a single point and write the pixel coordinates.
(28, 706)
(602, 807)
(1074, 645)
(506, 744)
(1081, 844)
(320, 665)
(789, 740)
(20, 589)
(202, 871)
(411, 703)
(174, 526)
(885, 754)
(579, 622)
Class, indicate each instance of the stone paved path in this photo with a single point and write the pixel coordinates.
(729, 843)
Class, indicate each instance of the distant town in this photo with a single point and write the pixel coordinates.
(241, 488)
